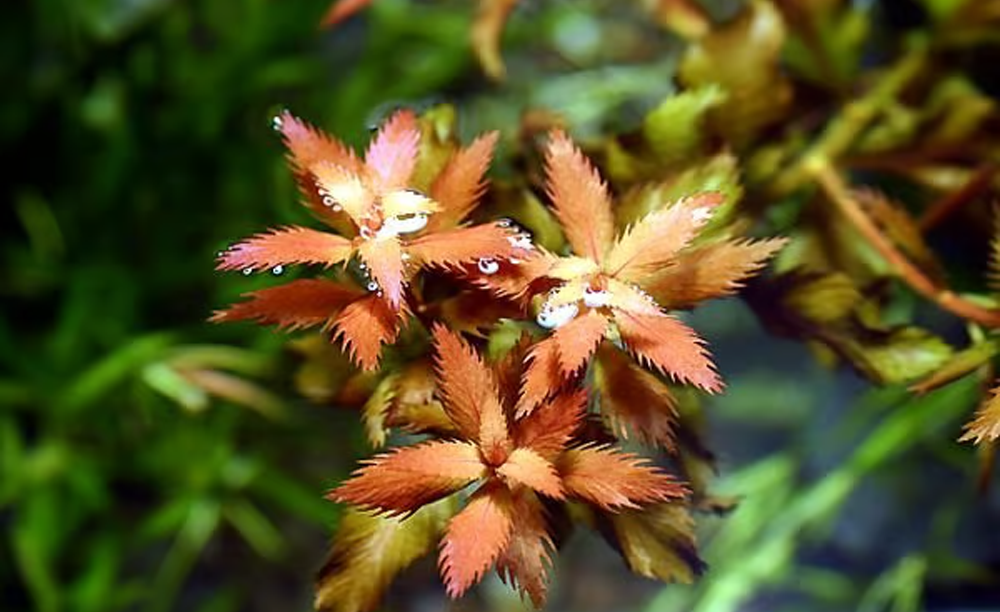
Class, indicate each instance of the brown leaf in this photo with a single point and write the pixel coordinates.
(526, 467)
(549, 428)
(364, 326)
(464, 245)
(392, 154)
(462, 182)
(407, 478)
(577, 340)
(525, 562)
(467, 387)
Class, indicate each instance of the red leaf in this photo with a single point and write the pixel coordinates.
(655, 240)
(711, 271)
(308, 145)
(406, 478)
(474, 539)
(580, 196)
(612, 479)
(526, 467)
(295, 305)
(467, 387)
(291, 245)
(364, 326)
(452, 248)
(341, 10)
(462, 182)
(392, 155)
(384, 258)
(578, 339)
(548, 429)
(671, 346)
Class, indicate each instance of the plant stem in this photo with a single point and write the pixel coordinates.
(839, 194)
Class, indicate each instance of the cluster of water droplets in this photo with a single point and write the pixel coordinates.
(518, 237)
(555, 316)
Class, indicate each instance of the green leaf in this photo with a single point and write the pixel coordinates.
(675, 129)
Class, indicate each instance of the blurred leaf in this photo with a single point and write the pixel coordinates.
(376, 409)
(369, 551)
(656, 542)
(675, 130)
(960, 364)
(742, 59)
(255, 528)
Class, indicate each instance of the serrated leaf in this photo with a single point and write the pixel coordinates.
(986, 424)
(369, 552)
(633, 401)
(613, 480)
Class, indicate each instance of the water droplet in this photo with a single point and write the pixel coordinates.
(504, 222)
(278, 270)
(521, 241)
(488, 265)
(329, 202)
(362, 265)
(372, 286)
(380, 293)
(405, 256)
(247, 271)
(514, 260)
(277, 123)
(554, 317)
(596, 298)
(404, 224)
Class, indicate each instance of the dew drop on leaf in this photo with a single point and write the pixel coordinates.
(247, 271)
(372, 286)
(595, 298)
(488, 265)
(554, 317)
(278, 270)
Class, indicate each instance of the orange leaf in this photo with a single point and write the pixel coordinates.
(525, 466)
(295, 305)
(468, 388)
(711, 271)
(581, 199)
(341, 188)
(548, 429)
(462, 182)
(364, 326)
(612, 479)
(986, 424)
(577, 340)
(451, 248)
(308, 145)
(291, 245)
(633, 400)
(474, 539)
(542, 378)
(657, 238)
(525, 561)
(406, 478)
(384, 258)
(671, 346)
(392, 155)
(487, 29)
(341, 10)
